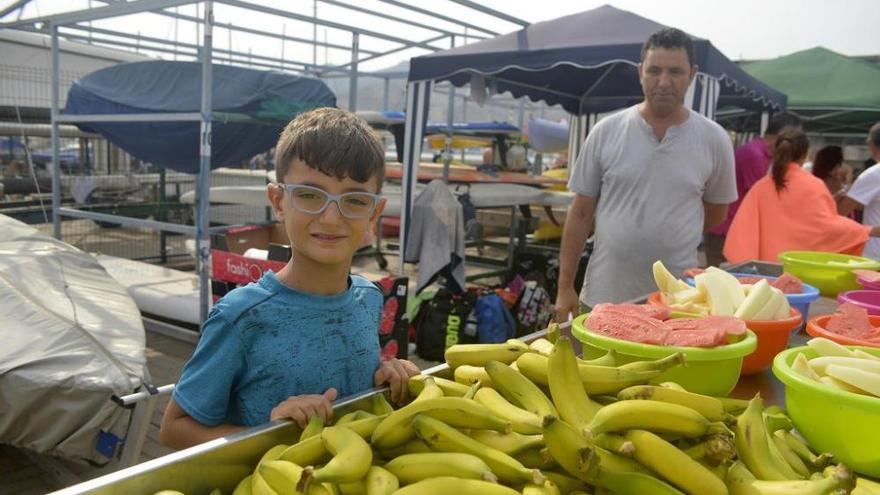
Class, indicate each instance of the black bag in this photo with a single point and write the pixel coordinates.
(441, 323)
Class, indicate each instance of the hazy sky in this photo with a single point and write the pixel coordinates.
(749, 29)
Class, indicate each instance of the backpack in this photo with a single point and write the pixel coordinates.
(441, 323)
(494, 321)
(534, 309)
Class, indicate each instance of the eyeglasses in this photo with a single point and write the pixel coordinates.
(312, 200)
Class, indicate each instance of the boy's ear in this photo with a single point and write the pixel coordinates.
(275, 193)
(380, 206)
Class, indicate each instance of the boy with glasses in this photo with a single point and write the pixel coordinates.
(286, 346)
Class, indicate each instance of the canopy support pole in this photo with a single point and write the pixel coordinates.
(418, 99)
(56, 158)
(203, 240)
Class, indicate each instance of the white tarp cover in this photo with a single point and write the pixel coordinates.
(70, 338)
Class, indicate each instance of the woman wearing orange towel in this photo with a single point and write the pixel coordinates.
(790, 209)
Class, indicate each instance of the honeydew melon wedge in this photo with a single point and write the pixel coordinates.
(731, 284)
(666, 282)
(775, 301)
(758, 296)
(718, 295)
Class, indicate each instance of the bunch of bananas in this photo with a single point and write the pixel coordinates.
(536, 419)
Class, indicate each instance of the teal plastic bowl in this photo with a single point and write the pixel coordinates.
(828, 272)
(836, 421)
(713, 371)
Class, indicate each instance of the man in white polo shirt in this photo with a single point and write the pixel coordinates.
(865, 194)
(656, 175)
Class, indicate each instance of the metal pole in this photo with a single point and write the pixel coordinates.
(56, 159)
(283, 42)
(450, 118)
(315, 38)
(203, 241)
(386, 89)
(353, 81)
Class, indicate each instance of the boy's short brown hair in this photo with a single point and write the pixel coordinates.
(334, 141)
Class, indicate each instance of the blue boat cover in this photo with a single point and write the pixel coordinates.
(264, 102)
(586, 62)
(473, 128)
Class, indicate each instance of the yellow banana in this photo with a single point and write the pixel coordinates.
(571, 450)
(596, 379)
(381, 482)
(273, 453)
(510, 443)
(789, 455)
(536, 458)
(553, 332)
(480, 354)
(521, 421)
(281, 476)
(468, 375)
(548, 488)
(741, 481)
(566, 387)
(803, 451)
(450, 388)
(413, 468)
(615, 443)
(323, 489)
(632, 483)
(351, 460)
(565, 483)
(674, 465)
(352, 488)
(660, 417)
(349, 418)
(673, 386)
(244, 486)
(381, 406)
(779, 461)
(710, 407)
(752, 443)
(312, 451)
(541, 346)
(430, 389)
(517, 389)
(259, 485)
(477, 385)
(662, 364)
(447, 485)
(396, 428)
(607, 359)
(733, 406)
(316, 424)
(414, 446)
(444, 438)
(866, 487)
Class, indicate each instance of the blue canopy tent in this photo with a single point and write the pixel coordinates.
(585, 62)
(251, 107)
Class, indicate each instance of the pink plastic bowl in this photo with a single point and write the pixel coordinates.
(868, 299)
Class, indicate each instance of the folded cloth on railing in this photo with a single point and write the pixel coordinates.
(436, 237)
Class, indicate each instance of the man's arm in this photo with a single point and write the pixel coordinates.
(847, 205)
(180, 431)
(713, 215)
(578, 224)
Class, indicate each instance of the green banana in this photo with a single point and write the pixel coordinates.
(521, 421)
(632, 483)
(510, 443)
(480, 354)
(396, 429)
(352, 488)
(789, 455)
(777, 421)
(553, 332)
(548, 488)
(316, 424)
(715, 449)
(381, 406)
(450, 388)
(661, 365)
(352, 457)
(607, 359)
(536, 458)
(444, 438)
(565, 483)
(477, 385)
(660, 417)
(281, 476)
(311, 451)
(733, 406)
(413, 468)
(752, 443)
(446, 485)
(566, 388)
(596, 379)
(803, 451)
(519, 390)
(380, 481)
(615, 443)
(741, 481)
(710, 407)
(578, 456)
(674, 465)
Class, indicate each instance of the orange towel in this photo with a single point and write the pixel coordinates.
(801, 217)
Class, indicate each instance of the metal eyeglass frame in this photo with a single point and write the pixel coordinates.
(331, 198)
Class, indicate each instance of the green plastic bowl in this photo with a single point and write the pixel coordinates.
(836, 421)
(712, 371)
(822, 271)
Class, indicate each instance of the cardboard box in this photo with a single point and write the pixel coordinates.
(228, 263)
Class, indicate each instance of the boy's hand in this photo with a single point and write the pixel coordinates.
(395, 372)
(302, 407)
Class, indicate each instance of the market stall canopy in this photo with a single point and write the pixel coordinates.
(586, 62)
(250, 107)
(831, 92)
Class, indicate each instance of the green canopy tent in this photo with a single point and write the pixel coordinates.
(835, 95)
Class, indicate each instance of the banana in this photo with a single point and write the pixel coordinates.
(742, 482)
(596, 379)
(553, 332)
(414, 446)
(444, 438)
(788, 454)
(380, 481)
(615, 443)
(396, 428)
(715, 450)
(521, 421)
(480, 354)
(312, 451)
(673, 386)
(565, 483)
(674, 465)
(510, 443)
(350, 417)
(536, 458)
(450, 388)
(517, 389)
(446, 485)
(661, 365)
(351, 460)
(566, 388)
(632, 483)
(777, 421)
(779, 461)
(353, 488)
(660, 417)
(752, 443)
(859, 378)
(866, 487)
(244, 486)
(468, 375)
(803, 451)
(541, 346)
(607, 359)
(548, 488)
(259, 485)
(413, 468)
(733, 406)
(710, 407)
(273, 453)
(316, 424)
(473, 390)
(281, 476)
(381, 406)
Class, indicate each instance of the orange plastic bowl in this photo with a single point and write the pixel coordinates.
(816, 328)
(772, 337)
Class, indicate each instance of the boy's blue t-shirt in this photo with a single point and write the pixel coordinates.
(265, 342)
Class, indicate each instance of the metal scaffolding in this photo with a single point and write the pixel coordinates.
(76, 25)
